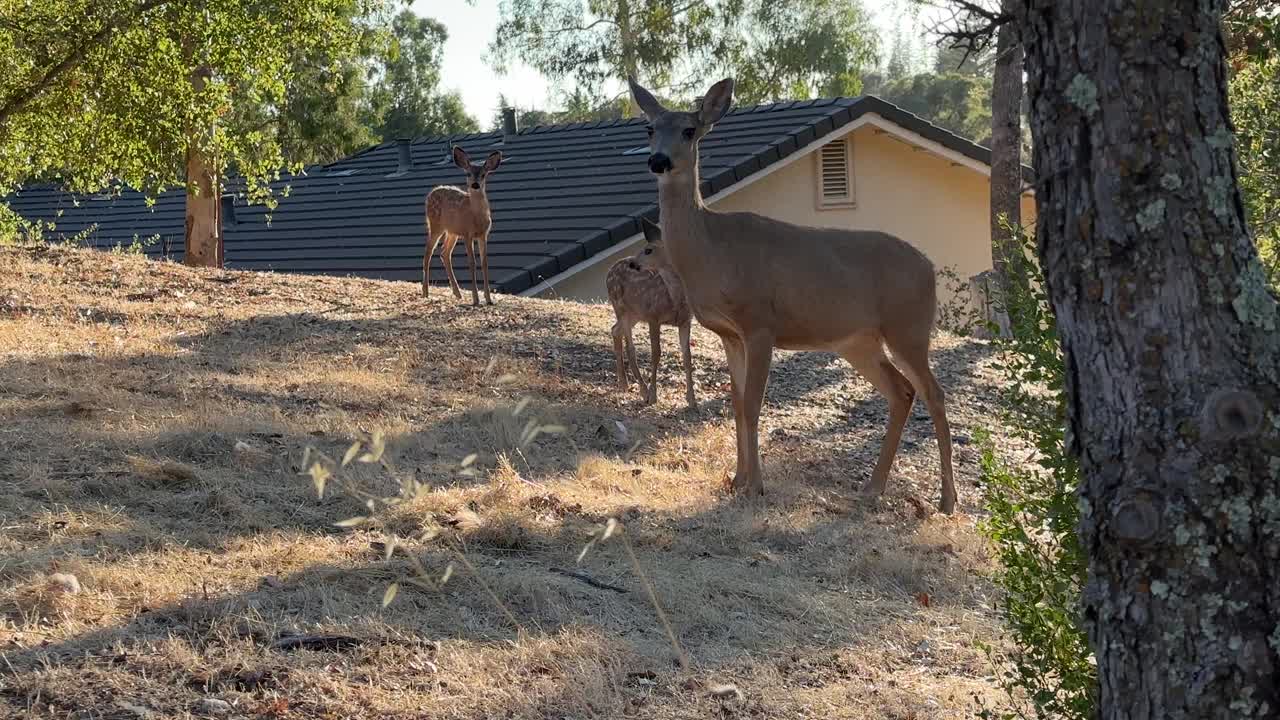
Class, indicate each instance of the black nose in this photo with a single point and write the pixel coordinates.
(659, 163)
(475, 186)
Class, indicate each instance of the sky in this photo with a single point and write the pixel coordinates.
(471, 28)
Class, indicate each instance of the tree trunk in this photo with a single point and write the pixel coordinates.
(203, 243)
(1172, 351)
(630, 68)
(1006, 160)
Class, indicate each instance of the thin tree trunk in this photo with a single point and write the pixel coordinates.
(1173, 354)
(630, 68)
(1006, 161)
(203, 230)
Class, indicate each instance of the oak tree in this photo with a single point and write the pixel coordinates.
(1173, 356)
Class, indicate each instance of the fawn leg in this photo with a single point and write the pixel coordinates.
(471, 262)
(618, 355)
(450, 242)
(484, 262)
(432, 243)
(633, 364)
(655, 352)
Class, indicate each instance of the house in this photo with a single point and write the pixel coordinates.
(568, 198)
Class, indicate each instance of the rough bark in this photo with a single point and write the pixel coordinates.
(203, 238)
(1173, 355)
(1006, 157)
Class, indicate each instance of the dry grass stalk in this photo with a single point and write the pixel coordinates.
(194, 558)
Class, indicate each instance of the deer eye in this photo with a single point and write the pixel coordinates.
(689, 133)
(648, 251)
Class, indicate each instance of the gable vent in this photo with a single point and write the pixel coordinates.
(835, 180)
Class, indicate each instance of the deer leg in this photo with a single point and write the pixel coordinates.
(632, 363)
(450, 242)
(471, 262)
(432, 242)
(655, 353)
(619, 358)
(759, 356)
(484, 262)
(687, 358)
(735, 358)
(914, 360)
(869, 360)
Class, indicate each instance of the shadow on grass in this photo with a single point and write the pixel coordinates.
(137, 455)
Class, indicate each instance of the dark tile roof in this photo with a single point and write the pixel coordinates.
(563, 194)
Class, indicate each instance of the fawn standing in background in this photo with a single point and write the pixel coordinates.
(454, 214)
(761, 283)
(644, 288)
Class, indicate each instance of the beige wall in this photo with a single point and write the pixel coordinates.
(940, 207)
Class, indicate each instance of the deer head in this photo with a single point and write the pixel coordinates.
(653, 256)
(674, 136)
(477, 173)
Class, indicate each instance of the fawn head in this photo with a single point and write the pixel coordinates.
(653, 256)
(674, 136)
(477, 173)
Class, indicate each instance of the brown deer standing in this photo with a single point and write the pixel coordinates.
(454, 214)
(760, 283)
(644, 288)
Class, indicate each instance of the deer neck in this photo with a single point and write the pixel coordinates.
(479, 202)
(683, 216)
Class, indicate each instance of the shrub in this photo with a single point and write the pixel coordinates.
(1050, 670)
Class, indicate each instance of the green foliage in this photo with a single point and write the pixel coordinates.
(290, 82)
(1255, 111)
(776, 51)
(803, 50)
(127, 73)
(956, 314)
(407, 100)
(956, 101)
(1050, 671)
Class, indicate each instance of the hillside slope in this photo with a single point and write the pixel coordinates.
(154, 420)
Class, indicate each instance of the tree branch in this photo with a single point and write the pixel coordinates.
(972, 27)
(73, 59)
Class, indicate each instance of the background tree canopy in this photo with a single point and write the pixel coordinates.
(258, 87)
(775, 50)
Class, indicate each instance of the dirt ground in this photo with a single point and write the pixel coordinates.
(153, 426)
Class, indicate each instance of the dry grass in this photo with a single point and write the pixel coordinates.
(153, 421)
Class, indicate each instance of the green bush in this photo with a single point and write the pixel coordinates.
(1050, 670)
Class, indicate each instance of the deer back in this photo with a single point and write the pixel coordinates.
(454, 210)
(644, 294)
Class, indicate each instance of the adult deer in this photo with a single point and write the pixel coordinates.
(454, 214)
(644, 288)
(760, 283)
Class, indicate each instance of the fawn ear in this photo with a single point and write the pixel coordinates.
(649, 104)
(492, 162)
(461, 158)
(716, 102)
(652, 232)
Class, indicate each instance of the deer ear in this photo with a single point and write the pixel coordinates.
(716, 102)
(492, 162)
(649, 104)
(460, 158)
(652, 232)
